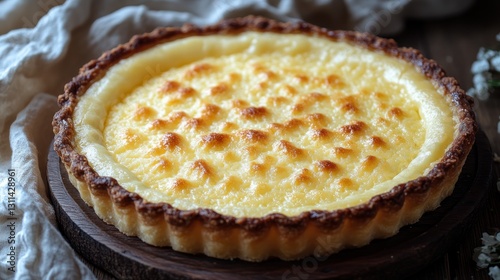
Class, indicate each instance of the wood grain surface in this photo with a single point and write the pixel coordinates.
(412, 249)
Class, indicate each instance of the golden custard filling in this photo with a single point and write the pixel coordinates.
(260, 123)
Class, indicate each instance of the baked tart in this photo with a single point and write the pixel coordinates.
(254, 139)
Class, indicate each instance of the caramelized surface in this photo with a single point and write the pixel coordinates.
(253, 124)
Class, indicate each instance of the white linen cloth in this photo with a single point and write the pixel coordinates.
(42, 45)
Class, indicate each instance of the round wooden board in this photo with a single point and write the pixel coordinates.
(413, 248)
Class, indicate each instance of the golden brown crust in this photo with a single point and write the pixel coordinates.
(395, 201)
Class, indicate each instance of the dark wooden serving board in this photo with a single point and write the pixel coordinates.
(412, 249)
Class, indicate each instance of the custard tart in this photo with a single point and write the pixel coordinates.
(254, 139)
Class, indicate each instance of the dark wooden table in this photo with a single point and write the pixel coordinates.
(453, 42)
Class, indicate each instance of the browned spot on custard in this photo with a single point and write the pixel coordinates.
(290, 90)
(382, 106)
(253, 136)
(380, 95)
(131, 138)
(202, 168)
(163, 164)
(289, 149)
(177, 116)
(353, 128)
(156, 151)
(399, 140)
(215, 140)
(268, 74)
(252, 113)
(276, 101)
(144, 113)
(293, 124)
(180, 184)
(261, 188)
(170, 140)
(365, 91)
(252, 151)
(287, 126)
(230, 184)
(180, 95)
(334, 81)
(298, 108)
(316, 119)
(201, 67)
(269, 160)
(376, 142)
(263, 85)
(342, 152)
(231, 156)
(257, 168)
(346, 99)
(349, 108)
(219, 89)
(159, 124)
(234, 77)
(170, 86)
(186, 92)
(309, 99)
(238, 103)
(195, 123)
(273, 127)
(316, 96)
(396, 113)
(345, 183)
(228, 126)
(209, 111)
(302, 78)
(326, 166)
(382, 121)
(172, 120)
(198, 69)
(348, 104)
(279, 172)
(369, 163)
(304, 177)
(257, 67)
(321, 134)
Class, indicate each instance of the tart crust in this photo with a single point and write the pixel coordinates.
(318, 233)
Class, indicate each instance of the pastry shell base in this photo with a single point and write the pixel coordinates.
(318, 233)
